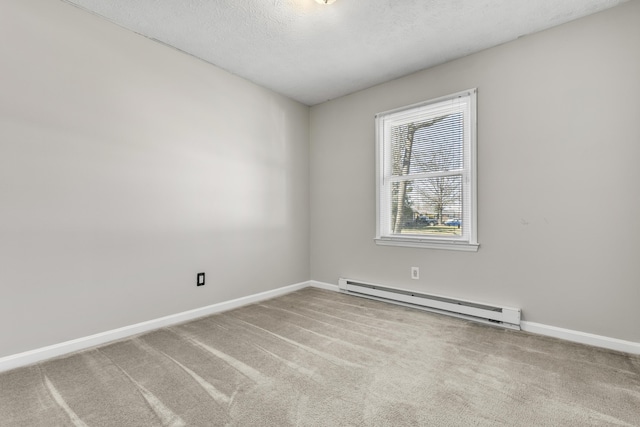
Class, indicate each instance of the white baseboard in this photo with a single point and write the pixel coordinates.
(48, 352)
(323, 285)
(550, 331)
(581, 337)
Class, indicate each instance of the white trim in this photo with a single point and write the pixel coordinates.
(427, 244)
(55, 350)
(581, 337)
(443, 98)
(550, 331)
(323, 285)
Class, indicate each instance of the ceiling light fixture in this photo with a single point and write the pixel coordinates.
(325, 1)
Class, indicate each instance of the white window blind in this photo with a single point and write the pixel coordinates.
(426, 174)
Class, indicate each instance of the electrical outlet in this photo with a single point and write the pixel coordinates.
(200, 280)
(415, 273)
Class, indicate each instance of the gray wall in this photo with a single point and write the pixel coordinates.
(126, 167)
(559, 204)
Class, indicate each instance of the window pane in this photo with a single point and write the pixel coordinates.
(430, 207)
(433, 145)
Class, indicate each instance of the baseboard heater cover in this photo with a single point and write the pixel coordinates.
(507, 317)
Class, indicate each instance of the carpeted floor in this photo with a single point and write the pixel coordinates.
(319, 358)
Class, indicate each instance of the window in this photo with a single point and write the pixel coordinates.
(426, 174)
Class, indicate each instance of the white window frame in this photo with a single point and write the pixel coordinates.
(468, 241)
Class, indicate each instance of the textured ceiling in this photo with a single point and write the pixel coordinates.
(313, 53)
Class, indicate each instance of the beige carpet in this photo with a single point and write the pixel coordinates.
(319, 358)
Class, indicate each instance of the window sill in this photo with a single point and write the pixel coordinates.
(428, 244)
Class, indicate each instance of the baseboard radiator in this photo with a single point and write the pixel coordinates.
(494, 315)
